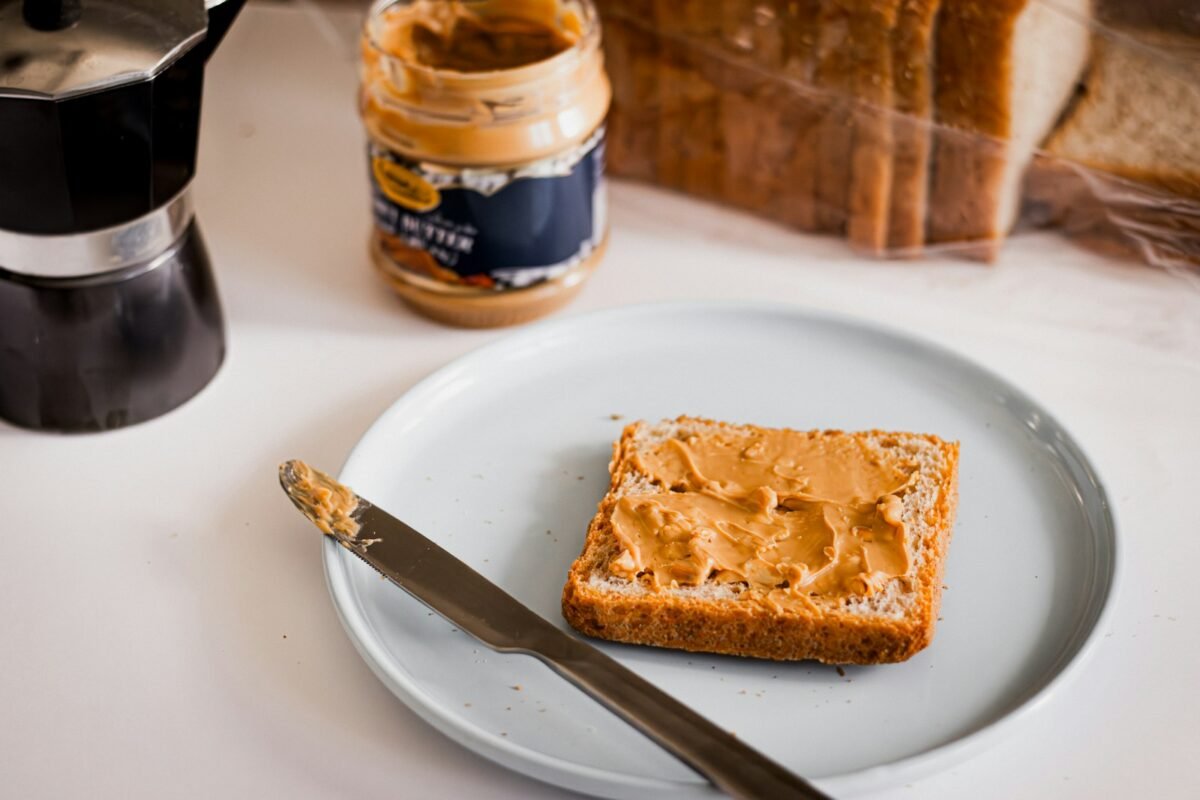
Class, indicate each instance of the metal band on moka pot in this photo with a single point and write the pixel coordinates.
(137, 243)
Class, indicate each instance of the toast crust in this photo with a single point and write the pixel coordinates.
(826, 633)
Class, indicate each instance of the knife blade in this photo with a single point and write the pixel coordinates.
(477, 606)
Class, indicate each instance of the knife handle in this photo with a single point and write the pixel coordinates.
(733, 766)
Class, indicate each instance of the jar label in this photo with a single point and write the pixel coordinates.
(490, 228)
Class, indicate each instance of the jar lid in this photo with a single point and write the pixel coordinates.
(53, 49)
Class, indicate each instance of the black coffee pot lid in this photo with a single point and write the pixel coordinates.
(60, 48)
(99, 108)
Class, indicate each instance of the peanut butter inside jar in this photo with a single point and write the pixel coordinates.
(485, 124)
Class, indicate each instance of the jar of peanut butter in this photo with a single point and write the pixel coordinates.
(485, 121)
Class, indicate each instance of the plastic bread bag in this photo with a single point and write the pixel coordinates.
(911, 126)
(1121, 171)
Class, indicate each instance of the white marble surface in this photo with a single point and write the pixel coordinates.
(165, 628)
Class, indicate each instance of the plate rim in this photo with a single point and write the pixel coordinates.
(603, 782)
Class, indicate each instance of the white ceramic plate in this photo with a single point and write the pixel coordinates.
(501, 457)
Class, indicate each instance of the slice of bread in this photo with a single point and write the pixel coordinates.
(1137, 114)
(753, 101)
(888, 622)
(912, 137)
(1124, 164)
(834, 79)
(853, 161)
(802, 115)
(871, 175)
(689, 145)
(1005, 71)
(631, 53)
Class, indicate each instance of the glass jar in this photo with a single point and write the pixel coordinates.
(485, 121)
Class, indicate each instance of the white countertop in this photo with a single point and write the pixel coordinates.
(166, 630)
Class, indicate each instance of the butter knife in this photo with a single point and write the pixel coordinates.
(482, 609)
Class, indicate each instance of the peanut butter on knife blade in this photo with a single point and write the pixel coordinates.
(328, 504)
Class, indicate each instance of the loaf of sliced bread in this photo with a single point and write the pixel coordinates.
(875, 616)
(1005, 70)
(912, 131)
